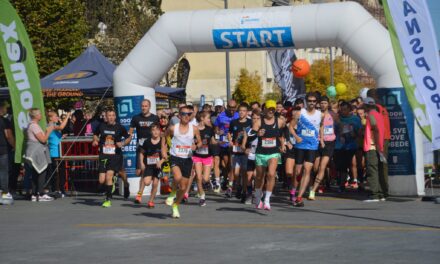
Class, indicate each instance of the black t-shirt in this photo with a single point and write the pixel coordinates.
(142, 125)
(206, 150)
(152, 152)
(109, 135)
(238, 129)
(4, 124)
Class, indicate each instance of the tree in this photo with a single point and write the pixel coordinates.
(319, 78)
(248, 87)
(126, 21)
(56, 31)
(275, 95)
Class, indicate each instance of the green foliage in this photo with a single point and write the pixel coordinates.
(126, 21)
(319, 78)
(275, 95)
(248, 87)
(56, 30)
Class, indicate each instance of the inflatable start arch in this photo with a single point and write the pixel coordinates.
(347, 25)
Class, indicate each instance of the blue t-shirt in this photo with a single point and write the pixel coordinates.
(54, 143)
(346, 136)
(223, 122)
(308, 130)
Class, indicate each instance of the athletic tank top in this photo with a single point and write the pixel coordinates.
(181, 143)
(205, 150)
(269, 143)
(308, 130)
(329, 128)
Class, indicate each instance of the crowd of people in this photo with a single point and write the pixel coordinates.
(240, 150)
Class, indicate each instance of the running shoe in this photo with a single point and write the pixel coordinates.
(292, 195)
(150, 204)
(347, 184)
(371, 200)
(298, 202)
(321, 189)
(107, 204)
(266, 206)
(248, 199)
(383, 199)
(175, 211)
(354, 185)
(202, 202)
(170, 200)
(217, 189)
(185, 198)
(126, 191)
(259, 205)
(311, 196)
(228, 193)
(34, 198)
(45, 198)
(138, 199)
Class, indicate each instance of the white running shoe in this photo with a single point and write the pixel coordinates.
(45, 198)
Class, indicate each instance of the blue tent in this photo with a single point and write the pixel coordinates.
(91, 72)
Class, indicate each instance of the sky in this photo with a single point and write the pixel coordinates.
(434, 7)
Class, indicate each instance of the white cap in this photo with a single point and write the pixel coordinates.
(218, 101)
(363, 92)
(369, 101)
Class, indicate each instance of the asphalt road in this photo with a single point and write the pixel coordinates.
(330, 230)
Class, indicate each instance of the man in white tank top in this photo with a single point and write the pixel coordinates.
(182, 146)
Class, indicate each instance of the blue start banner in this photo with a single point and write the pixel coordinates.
(256, 38)
(402, 149)
(129, 106)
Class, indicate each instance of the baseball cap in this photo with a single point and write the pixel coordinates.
(218, 102)
(271, 104)
(369, 101)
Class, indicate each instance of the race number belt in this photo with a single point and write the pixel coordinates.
(269, 142)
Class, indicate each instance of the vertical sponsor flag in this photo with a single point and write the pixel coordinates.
(416, 51)
(291, 86)
(21, 72)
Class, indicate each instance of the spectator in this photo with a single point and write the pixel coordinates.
(54, 140)
(37, 155)
(6, 137)
(79, 126)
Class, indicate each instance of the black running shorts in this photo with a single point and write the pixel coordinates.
(304, 155)
(185, 165)
(110, 163)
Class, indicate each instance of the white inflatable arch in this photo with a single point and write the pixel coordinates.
(347, 25)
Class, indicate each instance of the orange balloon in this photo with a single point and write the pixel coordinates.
(300, 68)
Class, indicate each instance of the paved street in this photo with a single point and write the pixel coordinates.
(330, 230)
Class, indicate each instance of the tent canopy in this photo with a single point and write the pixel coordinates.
(90, 71)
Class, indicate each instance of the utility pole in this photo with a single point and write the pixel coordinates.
(228, 78)
(332, 70)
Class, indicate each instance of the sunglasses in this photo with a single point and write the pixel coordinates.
(163, 117)
(311, 101)
(186, 113)
(231, 107)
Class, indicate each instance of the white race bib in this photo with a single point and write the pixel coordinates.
(308, 132)
(152, 160)
(224, 138)
(109, 149)
(204, 150)
(269, 142)
(183, 151)
(328, 130)
(237, 149)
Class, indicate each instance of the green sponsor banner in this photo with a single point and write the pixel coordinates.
(409, 86)
(21, 72)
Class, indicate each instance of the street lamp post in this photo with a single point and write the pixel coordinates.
(228, 82)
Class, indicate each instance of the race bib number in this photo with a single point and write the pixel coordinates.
(217, 137)
(141, 141)
(308, 132)
(347, 129)
(152, 160)
(237, 149)
(109, 149)
(203, 150)
(224, 138)
(328, 130)
(183, 151)
(269, 142)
